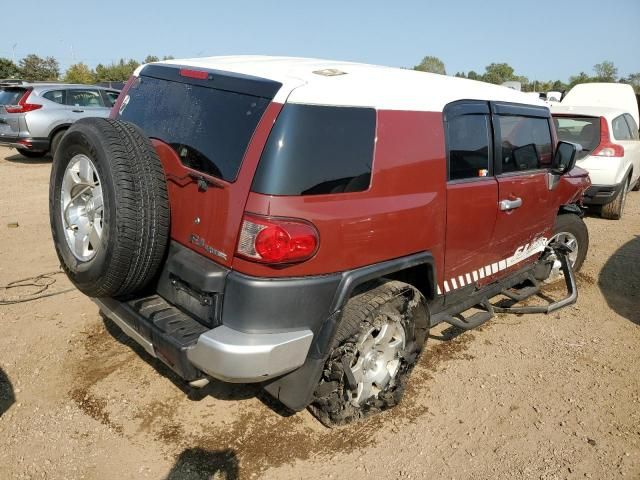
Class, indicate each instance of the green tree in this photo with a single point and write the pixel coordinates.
(8, 69)
(606, 71)
(150, 59)
(498, 73)
(432, 65)
(633, 79)
(116, 72)
(582, 77)
(473, 75)
(80, 73)
(168, 57)
(35, 68)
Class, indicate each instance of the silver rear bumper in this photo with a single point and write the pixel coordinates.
(240, 357)
(224, 353)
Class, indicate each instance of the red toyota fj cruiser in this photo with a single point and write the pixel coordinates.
(303, 223)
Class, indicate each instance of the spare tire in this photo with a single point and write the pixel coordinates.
(108, 207)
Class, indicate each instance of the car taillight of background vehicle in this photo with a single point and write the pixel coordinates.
(277, 240)
(23, 106)
(606, 148)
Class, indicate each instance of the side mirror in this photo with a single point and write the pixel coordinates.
(565, 158)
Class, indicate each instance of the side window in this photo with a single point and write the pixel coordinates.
(633, 126)
(110, 97)
(468, 145)
(317, 149)
(620, 129)
(84, 98)
(525, 143)
(55, 96)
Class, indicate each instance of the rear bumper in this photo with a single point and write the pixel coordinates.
(25, 143)
(222, 352)
(602, 194)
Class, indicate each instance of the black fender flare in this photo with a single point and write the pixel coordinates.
(296, 389)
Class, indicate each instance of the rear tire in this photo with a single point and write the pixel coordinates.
(117, 248)
(31, 153)
(636, 187)
(615, 209)
(381, 334)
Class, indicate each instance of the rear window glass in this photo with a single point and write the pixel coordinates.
(584, 131)
(10, 96)
(209, 129)
(315, 150)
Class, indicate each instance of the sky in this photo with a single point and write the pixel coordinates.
(542, 40)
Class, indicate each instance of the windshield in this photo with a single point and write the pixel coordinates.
(582, 130)
(10, 95)
(208, 128)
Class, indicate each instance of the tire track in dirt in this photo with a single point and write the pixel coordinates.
(259, 438)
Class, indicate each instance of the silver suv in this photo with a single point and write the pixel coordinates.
(34, 116)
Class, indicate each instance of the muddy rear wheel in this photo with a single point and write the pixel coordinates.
(378, 341)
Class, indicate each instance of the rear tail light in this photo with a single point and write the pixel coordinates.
(277, 240)
(23, 106)
(606, 148)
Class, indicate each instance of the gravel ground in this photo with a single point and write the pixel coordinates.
(541, 397)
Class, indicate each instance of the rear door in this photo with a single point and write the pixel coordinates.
(205, 126)
(472, 193)
(526, 209)
(85, 102)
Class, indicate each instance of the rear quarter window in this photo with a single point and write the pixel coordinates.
(315, 150)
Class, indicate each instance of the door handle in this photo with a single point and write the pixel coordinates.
(77, 111)
(510, 204)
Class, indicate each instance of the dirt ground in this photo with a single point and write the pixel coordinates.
(541, 397)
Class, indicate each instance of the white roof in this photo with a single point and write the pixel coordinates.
(361, 85)
(590, 111)
(609, 95)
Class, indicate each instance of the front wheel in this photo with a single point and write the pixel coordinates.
(377, 343)
(569, 230)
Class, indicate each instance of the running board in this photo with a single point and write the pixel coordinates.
(472, 321)
(477, 319)
(570, 281)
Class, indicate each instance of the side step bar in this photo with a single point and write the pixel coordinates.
(569, 279)
(477, 319)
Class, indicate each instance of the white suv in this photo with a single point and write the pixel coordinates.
(611, 152)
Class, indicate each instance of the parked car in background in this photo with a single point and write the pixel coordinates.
(610, 153)
(608, 95)
(34, 116)
(603, 118)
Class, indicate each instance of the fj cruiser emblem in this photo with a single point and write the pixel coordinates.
(199, 241)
